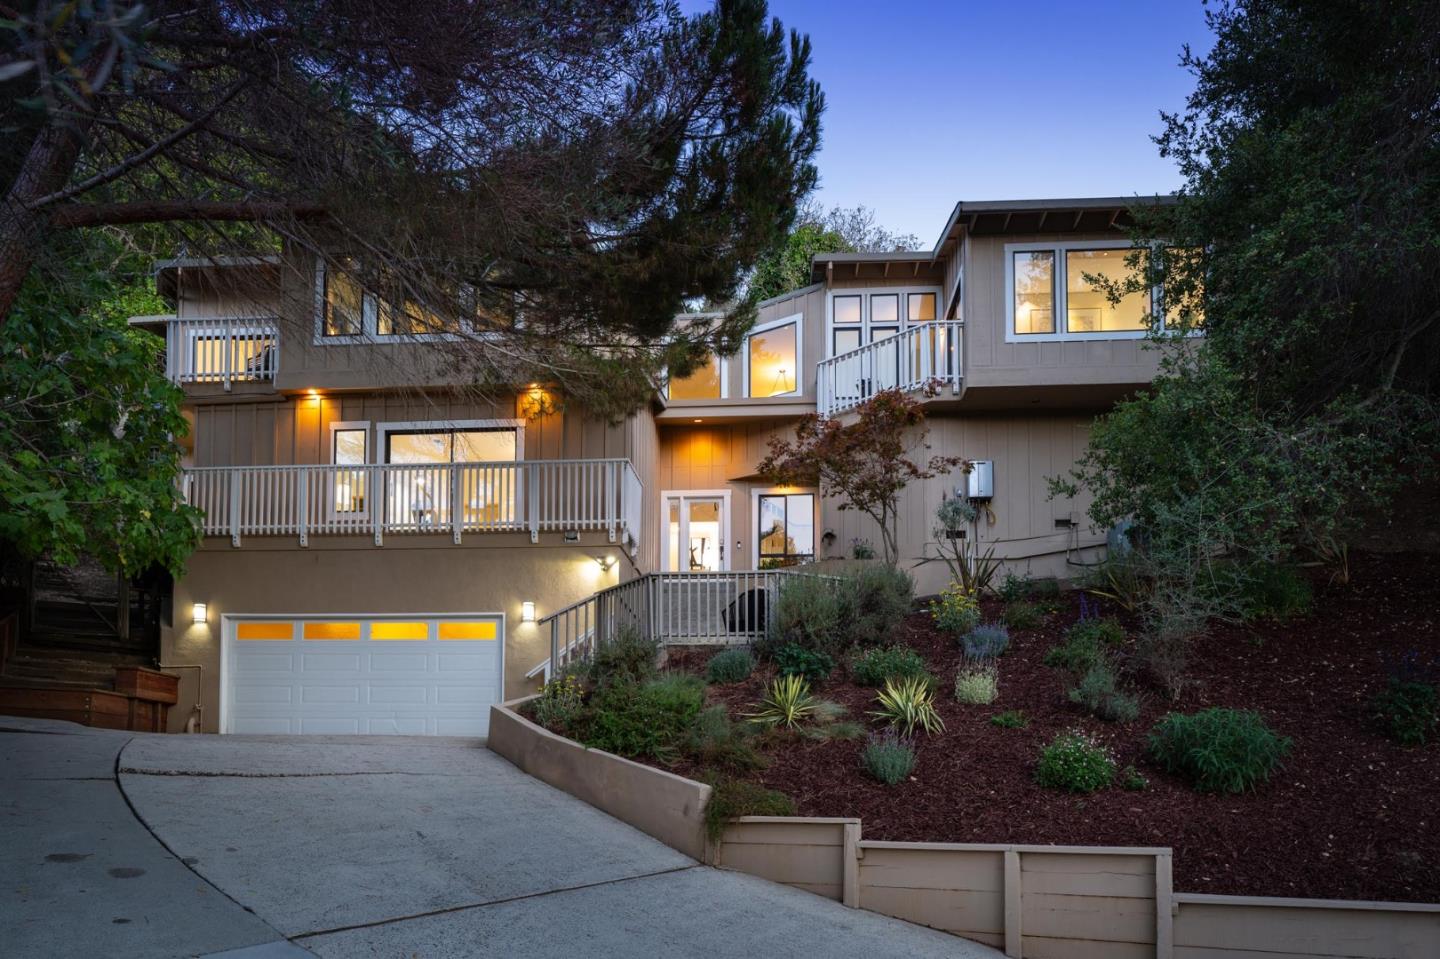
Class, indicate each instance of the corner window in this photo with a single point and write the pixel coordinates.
(773, 359)
(705, 382)
(1088, 308)
(1057, 291)
(786, 533)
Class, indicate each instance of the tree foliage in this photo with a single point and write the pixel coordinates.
(1306, 247)
(865, 463)
(816, 230)
(88, 458)
(586, 166)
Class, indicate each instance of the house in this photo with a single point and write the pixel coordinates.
(385, 552)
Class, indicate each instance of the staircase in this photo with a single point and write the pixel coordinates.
(81, 649)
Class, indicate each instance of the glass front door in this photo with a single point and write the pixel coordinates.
(695, 530)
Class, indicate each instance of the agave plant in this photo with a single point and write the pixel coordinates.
(908, 703)
(788, 703)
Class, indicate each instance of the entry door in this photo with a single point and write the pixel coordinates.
(696, 527)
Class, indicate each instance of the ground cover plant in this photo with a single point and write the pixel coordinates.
(986, 641)
(1218, 750)
(1075, 763)
(1313, 678)
(888, 758)
(871, 667)
(730, 666)
(977, 683)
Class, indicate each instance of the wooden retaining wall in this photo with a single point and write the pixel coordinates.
(1065, 902)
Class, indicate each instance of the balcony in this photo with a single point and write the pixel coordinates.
(222, 350)
(448, 499)
(929, 353)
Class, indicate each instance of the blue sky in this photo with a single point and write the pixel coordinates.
(934, 102)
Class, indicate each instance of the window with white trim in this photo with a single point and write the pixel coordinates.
(772, 359)
(347, 312)
(860, 317)
(786, 529)
(705, 382)
(1050, 296)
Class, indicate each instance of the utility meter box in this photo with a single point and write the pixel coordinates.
(980, 481)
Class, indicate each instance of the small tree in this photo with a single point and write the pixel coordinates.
(866, 463)
(969, 567)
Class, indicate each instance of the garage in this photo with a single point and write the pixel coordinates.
(362, 675)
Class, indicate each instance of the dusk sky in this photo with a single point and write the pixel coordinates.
(934, 102)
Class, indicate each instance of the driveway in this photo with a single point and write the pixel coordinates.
(120, 844)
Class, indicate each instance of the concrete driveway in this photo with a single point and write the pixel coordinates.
(126, 845)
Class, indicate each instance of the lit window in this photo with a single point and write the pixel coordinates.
(920, 307)
(703, 383)
(774, 356)
(344, 304)
(348, 450)
(1035, 292)
(1184, 293)
(786, 532)
(1088, 307)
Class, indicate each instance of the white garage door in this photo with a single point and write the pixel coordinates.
(411, 676)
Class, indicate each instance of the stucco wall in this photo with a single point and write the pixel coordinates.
(489, 573)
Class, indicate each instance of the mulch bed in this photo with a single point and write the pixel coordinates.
(1350, 816)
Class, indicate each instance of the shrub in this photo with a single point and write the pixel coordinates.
(1075, 763)
(977, 684)
(1010, 719)
(861, 549)
(955, 611)
(1132, 779)
(1103, 632)
(730, 666)
(1264, 590)
(628, 657)
(645, 719)
(1218, 750)
(713, 740)
(871, 667)
(986, 641)
(561, 702)
(909, 703)
(888, 758)
(1165, 658)
(1407, 711)
(1078, 654)
(733, 798)
(883, 596)
(810, 612)
(787, 703)
(1098, 692)
(1021, 615)
(795, 660)
(1013, 588)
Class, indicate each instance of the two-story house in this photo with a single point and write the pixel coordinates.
(384, 548)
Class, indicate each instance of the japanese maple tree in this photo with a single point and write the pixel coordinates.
(866, 463)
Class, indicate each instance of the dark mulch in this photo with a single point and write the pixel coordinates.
(1350, 816)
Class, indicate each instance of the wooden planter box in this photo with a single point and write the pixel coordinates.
(88, 707)
(147, 684)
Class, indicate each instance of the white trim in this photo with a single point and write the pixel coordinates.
(383, 431)
(756, 492)
(726, 515)
(1061, 334)
(335, 427)
(799, 320)
(227, 641)
(865, 292)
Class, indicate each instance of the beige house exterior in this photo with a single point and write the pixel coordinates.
(384, 546)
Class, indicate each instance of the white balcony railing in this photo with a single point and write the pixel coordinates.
(908, 361)
(222, 350)
(447, 498)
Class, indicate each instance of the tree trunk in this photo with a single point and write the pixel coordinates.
(47, 167)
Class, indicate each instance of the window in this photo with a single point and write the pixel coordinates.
(1184, 295)
(344, 305)
(402, 315)
(419, 484)
(1035, 292)
(705, 382)
(773, 360)
(786, 533)
(1088, 308)
(348, 449)
(1051, 294)
(860, 317)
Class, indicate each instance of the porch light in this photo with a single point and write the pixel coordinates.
(607, 563)
(198, 613)
(527, 611)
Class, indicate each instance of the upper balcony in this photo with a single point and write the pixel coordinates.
(218, 350)
(922, 355)
(446, 499)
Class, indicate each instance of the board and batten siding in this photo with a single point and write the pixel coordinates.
(295, 429)
(991, 361)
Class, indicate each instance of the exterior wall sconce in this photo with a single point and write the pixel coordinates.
(527, 611)
(607, 563)
(199, 613)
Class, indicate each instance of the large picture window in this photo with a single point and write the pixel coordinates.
(426, 464)
(786, 533)
(1058, 291)
(705, 382)
(772, 358)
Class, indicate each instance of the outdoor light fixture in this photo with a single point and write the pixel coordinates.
(198, 613)
(607, 563)
(527, 611)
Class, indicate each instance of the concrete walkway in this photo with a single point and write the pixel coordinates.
(343, 848)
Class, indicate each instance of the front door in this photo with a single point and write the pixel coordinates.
(696, 527)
